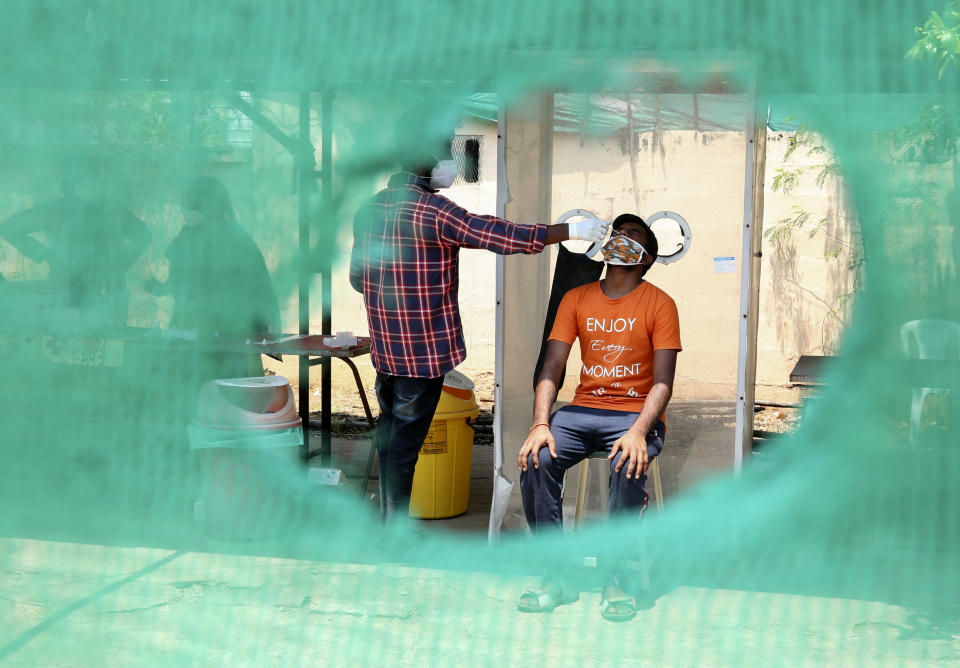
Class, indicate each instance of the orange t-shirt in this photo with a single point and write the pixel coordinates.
(617, 340)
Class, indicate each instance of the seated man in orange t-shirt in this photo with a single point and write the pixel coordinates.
(629, 339)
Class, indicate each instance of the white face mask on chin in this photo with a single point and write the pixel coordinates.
(444, 174)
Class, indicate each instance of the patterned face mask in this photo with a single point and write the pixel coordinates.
(622, 250)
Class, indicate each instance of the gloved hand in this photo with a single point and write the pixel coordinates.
(590, 229)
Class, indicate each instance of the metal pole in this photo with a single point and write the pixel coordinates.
(493, 528)
(328, 236)
(304, 187)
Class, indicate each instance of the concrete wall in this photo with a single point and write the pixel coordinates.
(805, 297)
(699, 175)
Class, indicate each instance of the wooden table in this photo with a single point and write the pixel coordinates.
(310, 346)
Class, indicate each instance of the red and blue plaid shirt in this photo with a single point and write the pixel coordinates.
(405, 262)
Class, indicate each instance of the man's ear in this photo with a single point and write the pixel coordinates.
(647, 262)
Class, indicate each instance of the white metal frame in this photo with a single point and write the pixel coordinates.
(747, 244)
(684, 228)
(749, 296)
(503, 195)
(749, 284)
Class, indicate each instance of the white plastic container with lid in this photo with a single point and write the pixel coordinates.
(341, 340)
(247, 435)
(259, 403)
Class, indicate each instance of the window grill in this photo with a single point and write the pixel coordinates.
(467, 151)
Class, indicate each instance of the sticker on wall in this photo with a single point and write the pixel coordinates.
(724, 265)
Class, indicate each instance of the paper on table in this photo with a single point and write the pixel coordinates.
(284, 339)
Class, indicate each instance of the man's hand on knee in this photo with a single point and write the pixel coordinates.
(633, 447)
(538, 438)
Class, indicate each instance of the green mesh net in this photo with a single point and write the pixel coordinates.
(179, 185)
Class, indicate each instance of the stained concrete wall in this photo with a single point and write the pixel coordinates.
(699, 175)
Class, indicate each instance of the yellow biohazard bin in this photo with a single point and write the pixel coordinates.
(441, 483)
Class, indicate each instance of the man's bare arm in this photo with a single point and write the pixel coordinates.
(664, 370)
(548, 384)
(633, 444)
(545, 394)
(556, 234)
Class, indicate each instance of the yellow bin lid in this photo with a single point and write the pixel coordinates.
(457, 399)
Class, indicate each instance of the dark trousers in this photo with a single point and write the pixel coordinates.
(579, 432)
(407, 406)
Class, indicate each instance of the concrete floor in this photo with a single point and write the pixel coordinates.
(79, 603)
(699, 444)
(70, 604)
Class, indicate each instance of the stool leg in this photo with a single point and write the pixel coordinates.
(916, 412)
(657, 489)
(654, 472)
(581, 492)
(644, 563)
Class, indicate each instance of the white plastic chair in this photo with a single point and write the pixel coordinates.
(653, 473)
(928, 339)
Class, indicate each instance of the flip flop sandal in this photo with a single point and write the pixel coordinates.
(543, 601)
(618, 608)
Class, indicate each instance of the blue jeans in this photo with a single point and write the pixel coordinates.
(579, 432)
(407, 406)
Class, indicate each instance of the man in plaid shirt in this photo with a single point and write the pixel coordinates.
(405, 263)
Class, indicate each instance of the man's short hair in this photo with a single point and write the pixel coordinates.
(651, 245)
(210, 197)
(423, 137)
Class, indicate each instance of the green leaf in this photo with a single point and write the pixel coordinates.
(816, 228)
(827, 170)
(786, 180)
